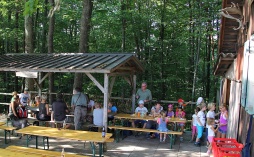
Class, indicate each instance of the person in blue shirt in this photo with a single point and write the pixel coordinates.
(112, 110)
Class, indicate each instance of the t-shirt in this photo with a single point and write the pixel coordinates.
(98, 116)
(194, 122)
(113, 109)
(79, 99)
(210, 114)
(59, 107)
(141, 110)
(24, 98)
(156, 111)
(210, 131)
(170, 114)
(182, 115)
(144, 95)
(201, 116)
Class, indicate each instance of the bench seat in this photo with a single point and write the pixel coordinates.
(171, 134)
(7, 130)
(39, 151)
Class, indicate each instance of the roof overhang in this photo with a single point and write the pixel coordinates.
(72, 62)
(228, 41)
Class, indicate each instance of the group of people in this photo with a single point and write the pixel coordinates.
(207, 120)
(200, 120)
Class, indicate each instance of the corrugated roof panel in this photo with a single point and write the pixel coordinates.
(67, 62)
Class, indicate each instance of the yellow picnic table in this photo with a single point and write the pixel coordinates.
(67, 134)
(134, 117)
(39, 152)
(2, 123)
(10, 153)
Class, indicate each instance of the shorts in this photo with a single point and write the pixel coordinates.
(210, 139)
(200, 131)
(222, 131)
(194, 130)
(181, 124)
(140, 121)
(206, 133)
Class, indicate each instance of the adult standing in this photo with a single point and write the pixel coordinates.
(24, 98)
(79, 104)
(144, 94)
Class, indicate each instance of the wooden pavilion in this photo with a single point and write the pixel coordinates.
(109, 64)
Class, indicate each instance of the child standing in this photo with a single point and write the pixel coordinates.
(223, 121)
(211, 133)
(162, 121)
(210, 116)
(201, 123)
(194, 124)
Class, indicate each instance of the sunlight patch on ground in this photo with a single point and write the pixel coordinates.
(66, 146)
(163, 149)
(131, 148)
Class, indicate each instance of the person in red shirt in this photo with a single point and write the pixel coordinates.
(181, 104)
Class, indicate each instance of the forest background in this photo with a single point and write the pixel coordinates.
(176, 41)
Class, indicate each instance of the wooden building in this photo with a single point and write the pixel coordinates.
(235, 65)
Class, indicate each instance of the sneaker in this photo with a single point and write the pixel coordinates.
(164, 139)
(208, 152)
(197, 144)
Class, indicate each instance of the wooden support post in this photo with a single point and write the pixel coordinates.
(111, 86)
(134, 92)
(41, 80)
(96, 82)
(105, 108)
(39, 91)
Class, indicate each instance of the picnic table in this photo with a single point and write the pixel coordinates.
(83, 136)
(134, 117)
(2, 123)
(39, 152)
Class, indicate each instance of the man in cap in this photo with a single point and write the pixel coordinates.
(24, 98)
(79, 103)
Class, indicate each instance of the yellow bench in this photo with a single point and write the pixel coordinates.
(171, 134)
(45, 153)
(7, 130)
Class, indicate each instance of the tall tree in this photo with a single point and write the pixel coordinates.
(84, 36)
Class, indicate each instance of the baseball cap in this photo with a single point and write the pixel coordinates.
(170, 106)
(180, 100)
(141, 102)
(200, 99)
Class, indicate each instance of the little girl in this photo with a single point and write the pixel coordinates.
(180, 114)
(200, 123)
(194, 124)
(162, 121)
(170, 112)
(223, 121)
(211, 133)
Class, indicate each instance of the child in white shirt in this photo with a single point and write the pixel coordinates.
(201, 123)
(211, 133)
(194, 124)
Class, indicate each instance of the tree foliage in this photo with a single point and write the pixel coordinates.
(175, 40)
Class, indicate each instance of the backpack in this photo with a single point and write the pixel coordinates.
(22, 112)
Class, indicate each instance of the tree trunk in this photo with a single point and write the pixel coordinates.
(29, 83)
(51, 48)
(84, 36)
(123, 9)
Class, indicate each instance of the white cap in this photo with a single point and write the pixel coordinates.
(200, 99)
(141, 102)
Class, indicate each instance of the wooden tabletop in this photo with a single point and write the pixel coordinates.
(133, 116)
(40, 151)
(2, 123)
(64, 134)
(11, 153)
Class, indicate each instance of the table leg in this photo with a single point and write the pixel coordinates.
(36, 141)
(171, 140)
(27, 141)
(93, 148)
(47, 142)
(100, 149)
(5, 137)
